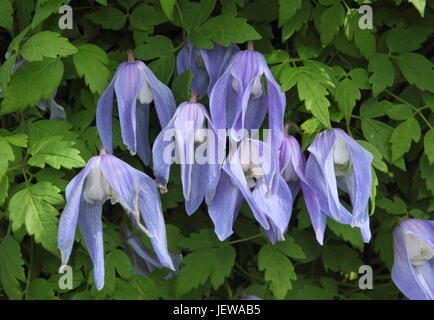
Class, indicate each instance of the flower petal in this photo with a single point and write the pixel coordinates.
(142, 132)
(104, 113)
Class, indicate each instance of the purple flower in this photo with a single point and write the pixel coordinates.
(337, 161)
(252, 165)
(206, 65)
(243, 94)
(106, 177)
(136, 87)
(143, 260)
(188, 134)
(413, 267)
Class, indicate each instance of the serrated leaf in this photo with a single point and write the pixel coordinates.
(399, 112)
(395, 206)
(46, 44)
(109, 18)
(279, 270)
(38, 80)
(40, 289)
(155, 47)
(33, 206)
(331, 19)
(214, 264)
(418, 70)
(91, 63)
(365, 42)
(383, 73)
(402, 136)
(6, 12)
(11, 267)
(346, 232)
(181, 86)
(145, 16)
(401, 39)
(341, 258)
(429, 145)
(378, 134)
(6, 155)
(220, 29)
(290, 248)
(56, 152)
(346, 94)
(287, 9)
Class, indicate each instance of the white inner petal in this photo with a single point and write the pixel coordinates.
(256, 90)
(96, 186)
(250, 160)
(341, 156)
(418, 251)
(145, 94)
(200, 133)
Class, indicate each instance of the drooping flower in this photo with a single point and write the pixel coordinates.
(136, 87)
(143, 260)
(106, 177)
(337, 161)
(206, 65)
(252, 164)
(242, 95)
(191, 134)
(413, 267)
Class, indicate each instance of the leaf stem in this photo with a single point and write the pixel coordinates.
(244, 239)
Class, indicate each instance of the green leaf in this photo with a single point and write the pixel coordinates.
(401, 39)
(40, 289)
(297, 21)
(163, 68)
(399, 112)
(427, 173)
(6, 155)
(419, 5)
(331, 19)
(154, 47)
(346, 94)
(33, 206)
(372, 108)
(44, 9)
(418, 70)
(6, 70)
(314, 95)
(341, 258)
(395, 206)
(377, 162)
(346, 232)
(181, 86)
(91, 63)
(121, 262)
(290, 248)
(279, 270)
(11, 267)
(109, 18)
(38, 80)
(138, 288)
(145, 16)
(195, 13)
(429, 145)
(402, 136)
(383, 73)
(365, 42)
(56, 152)
(6, 12)
(4, 186)
(287, 9)
(214, 264)
(19, 140)
(220, 29)
(46, 44)
(168, 7)
(378, 134)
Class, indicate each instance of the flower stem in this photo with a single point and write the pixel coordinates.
(244, 239)
(250, 45)
(130, 54)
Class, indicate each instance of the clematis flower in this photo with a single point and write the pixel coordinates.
(106, 177)
(136, 87)
(206, 65)
(242, 95)
(143, 260)
(252, 165)
(189, 131)
(413, 267)
(337, 161)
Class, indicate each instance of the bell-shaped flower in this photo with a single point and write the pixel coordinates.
(413, 267)
(190, 140)
(136, 87)
(242, 95)
(206, 65)
(337, 161)
(143, 260)
(252, 164)
(106, 177)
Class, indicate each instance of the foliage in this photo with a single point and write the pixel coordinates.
(378, 85)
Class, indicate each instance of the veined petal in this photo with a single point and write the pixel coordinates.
(142, 132)
(69, 218)
(223, 208)
(90, 224)
(277, 207)
(163, 97)
(104, 113)
(128, 84)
